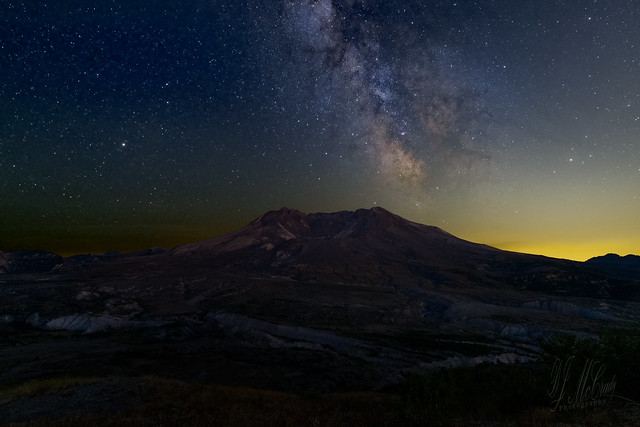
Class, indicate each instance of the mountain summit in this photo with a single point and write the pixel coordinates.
(376, 231)
(288, 224)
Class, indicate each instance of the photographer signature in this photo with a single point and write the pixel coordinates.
(590, 389)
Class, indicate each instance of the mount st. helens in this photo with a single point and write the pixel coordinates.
(367, 296)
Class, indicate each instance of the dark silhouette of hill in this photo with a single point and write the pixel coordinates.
(28, 261)
(623, 267)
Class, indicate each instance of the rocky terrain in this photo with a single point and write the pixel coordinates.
(295, 301)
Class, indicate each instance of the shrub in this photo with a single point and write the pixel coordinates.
(617, 350)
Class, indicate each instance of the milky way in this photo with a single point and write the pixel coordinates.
(126, 125)
(408, 115)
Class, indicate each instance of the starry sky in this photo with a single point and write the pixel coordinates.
(131, 124)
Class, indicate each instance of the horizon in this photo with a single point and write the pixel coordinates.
(128, 248)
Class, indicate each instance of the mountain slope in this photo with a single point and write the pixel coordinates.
(626, 267)
(28, 261)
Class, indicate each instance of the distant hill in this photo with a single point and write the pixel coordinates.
(28, 261)
(622, 267)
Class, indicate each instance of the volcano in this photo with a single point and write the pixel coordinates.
(376, 247)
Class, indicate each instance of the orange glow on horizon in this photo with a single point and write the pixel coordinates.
(571, 251)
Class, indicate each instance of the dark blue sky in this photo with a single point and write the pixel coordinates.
(125, 125)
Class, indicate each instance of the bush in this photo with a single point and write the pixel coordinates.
(487, 392)
(617, 350)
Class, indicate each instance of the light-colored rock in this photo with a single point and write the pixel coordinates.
(34, 320)
(7, 318)
(86, 296)
(567, 308)
(89, 324)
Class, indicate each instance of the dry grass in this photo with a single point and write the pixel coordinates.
(41, 386)
(170, 402)
(166, 402)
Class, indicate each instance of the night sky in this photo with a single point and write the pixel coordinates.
(131, 124)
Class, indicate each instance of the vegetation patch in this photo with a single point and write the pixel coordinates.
(507, 319)
(499, 394)
(39, 387)
(615, 352)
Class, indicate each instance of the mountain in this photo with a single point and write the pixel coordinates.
(626, 267)
(372, 246)
(295, 300)
(28, 261)
(336, 244)
(375, 246)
